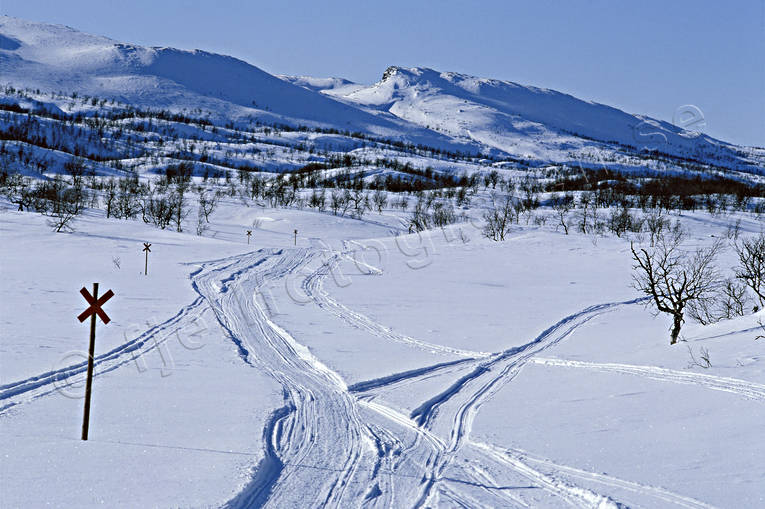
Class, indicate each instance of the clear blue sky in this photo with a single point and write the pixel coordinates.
(644, 57)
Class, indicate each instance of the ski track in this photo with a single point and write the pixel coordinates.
(318, 439)
(408, 376)
(350, 449)
(453, 411)
(740, 387)
(488, 374)
(31, 388)
(46, 383)
(512, 359)
(313, 287)
(323, 429)
(558, 470)
(574, 495)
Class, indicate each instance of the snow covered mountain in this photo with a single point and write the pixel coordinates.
(56, 58)
(418, 105)
(527, 122)
(514, 118)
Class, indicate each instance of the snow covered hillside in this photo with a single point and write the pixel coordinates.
(420, 106)
(524, 121)
(54, 58)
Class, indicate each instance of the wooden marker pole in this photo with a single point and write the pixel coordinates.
(249, 232)
(296, 237)
(89, 380)
(92, 311)
(146, 249)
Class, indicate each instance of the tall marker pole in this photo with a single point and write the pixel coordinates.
(146, 250)
(89, 382)
(92, 311)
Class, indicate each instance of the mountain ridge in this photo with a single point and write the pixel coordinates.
(418, 105)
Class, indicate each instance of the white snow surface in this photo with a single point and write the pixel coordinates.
(358, 368)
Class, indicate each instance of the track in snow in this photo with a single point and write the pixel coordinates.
(22, 391)
(514, 360)
(574, 495)
(562, 472)
(313, 287)
(350, 449)
(488, 373)
(744, 388)
(452, 412)
(319, 438)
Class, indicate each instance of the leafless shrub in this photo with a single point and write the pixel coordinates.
(157, 210)
(127, 203)
(498, 220)
(318, 200)
(110, 195)
(443, 215)
(751, 268)
(207, 204)
(539, 220)
(359, 201)
(18, 190)
(734, 230)
(727, 301)
(703, 361)
(60, 203)
(734, 299)
(178, 205)
(588, 211)
(655, 224)
(61, 221)
(621, 221)
(380, 201)
(673, 278)
(420, 219)
(202, 223)
(562, 206)
(340, 201)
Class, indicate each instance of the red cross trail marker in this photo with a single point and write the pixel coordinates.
(146, 249)
(93, 310)
(249, 232)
